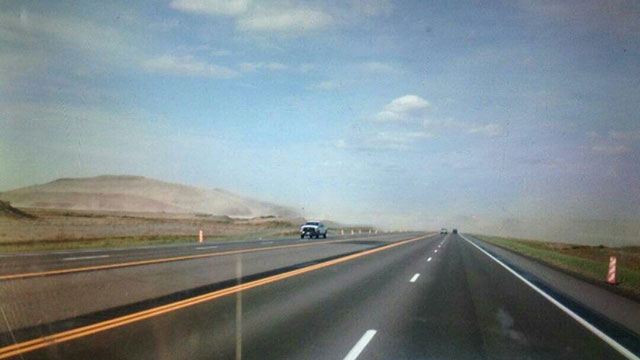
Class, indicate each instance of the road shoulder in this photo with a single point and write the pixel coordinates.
(615, 307)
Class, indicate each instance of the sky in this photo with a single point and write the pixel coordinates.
(406, 114)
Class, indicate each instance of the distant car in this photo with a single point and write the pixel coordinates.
(443, 231)
(313, 229)
(454, 231)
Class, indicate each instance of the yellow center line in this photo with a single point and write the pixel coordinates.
(162, 260)
(38, 343)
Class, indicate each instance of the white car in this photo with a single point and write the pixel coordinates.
(443, 231)
(313, 228)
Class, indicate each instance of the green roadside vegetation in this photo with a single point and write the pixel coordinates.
(588, 262)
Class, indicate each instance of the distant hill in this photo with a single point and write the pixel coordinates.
(139, 194)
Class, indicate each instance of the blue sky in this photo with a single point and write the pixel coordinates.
(403, 113)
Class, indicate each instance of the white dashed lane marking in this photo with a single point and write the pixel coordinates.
(360, 345)
(85, 257)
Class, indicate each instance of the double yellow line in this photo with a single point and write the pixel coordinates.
(162, 260)
(31, 345)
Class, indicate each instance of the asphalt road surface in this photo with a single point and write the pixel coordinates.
(22, 263)
(410, 297)
(51, 289)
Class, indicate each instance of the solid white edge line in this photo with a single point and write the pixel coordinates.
(206, 247)
(86, 257)
(614, 344)
(415, 277)
(429, 259)
(360, 345)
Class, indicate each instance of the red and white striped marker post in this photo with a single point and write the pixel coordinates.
(200, 236)
(611, 275)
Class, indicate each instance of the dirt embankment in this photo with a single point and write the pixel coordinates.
(6, 210)
(70, 225)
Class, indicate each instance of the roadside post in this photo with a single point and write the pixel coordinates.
(200, 237)
(341, 231)
(611, 275)
(351, 231)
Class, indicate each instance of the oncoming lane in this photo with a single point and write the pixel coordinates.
(21, 266)
(69, 295)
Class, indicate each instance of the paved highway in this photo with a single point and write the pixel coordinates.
(39, 262)
(57, 291)
(411, 297)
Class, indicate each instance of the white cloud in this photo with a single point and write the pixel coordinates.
(372, 8)
(443, 124)
(290, 17)
(449, 124)
(402, 109)
(274, 16)
(611, 149)
(392, 140)
(187, 65)
(384, 140)
(103, 43)
(624, 135)
(80, 34)
(407, 103)
(165, 25)
(489, 130)
(593, 135)
(616, 17)
(612, 145)
(212, 7)
(410, 110)
(378, 67)
(255, 66)
(284, 20)
(221, 52)
(16, 62)
(325, 85)
(404, 137)
(304, 68)
(249, 67)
